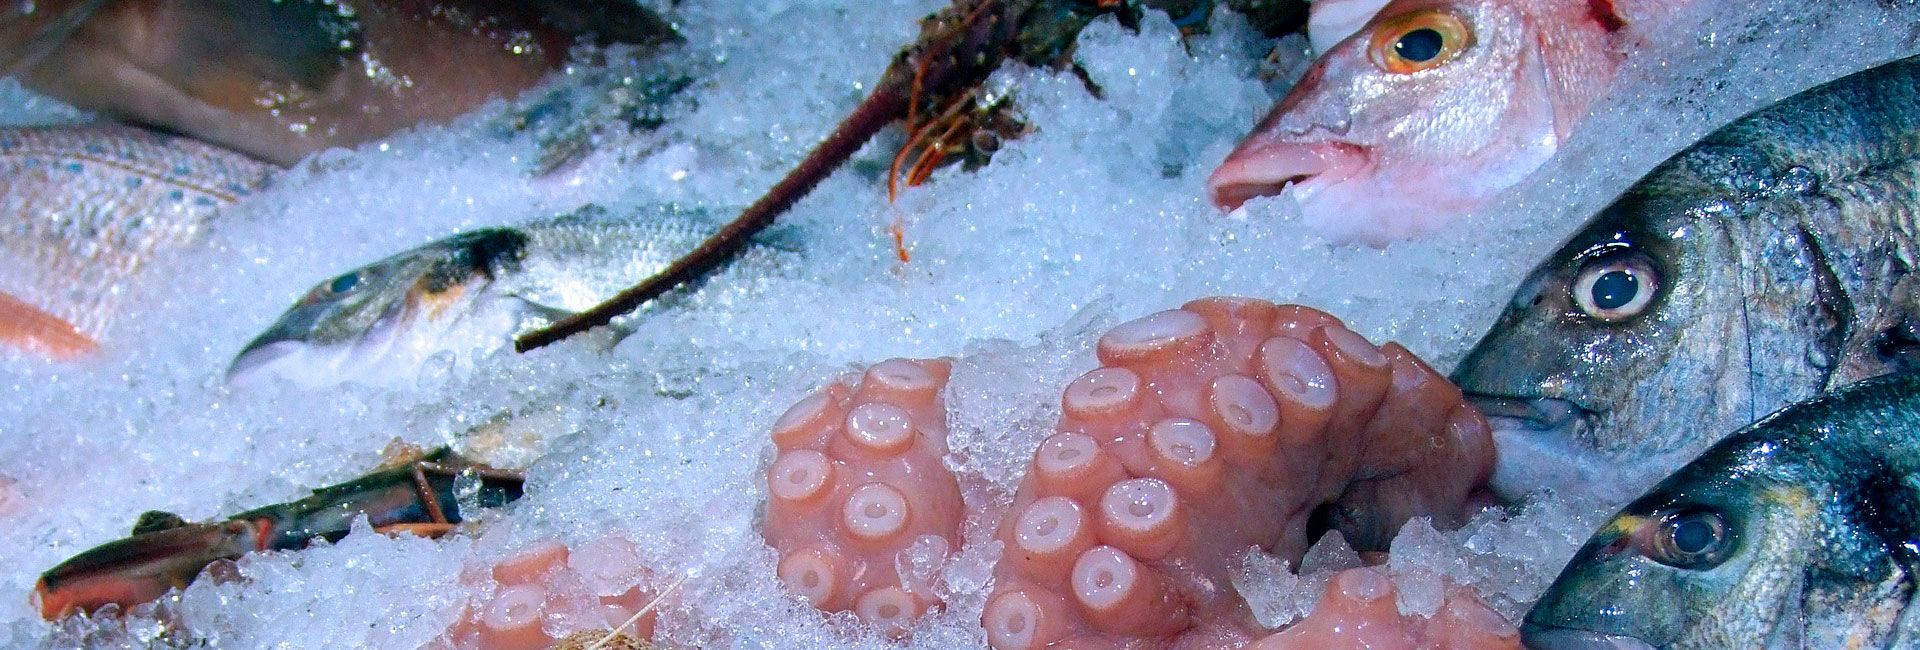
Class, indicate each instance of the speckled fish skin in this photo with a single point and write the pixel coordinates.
(282, 79)
(1768, 262)
(1800, 531)
(473, 292)
(84, 209)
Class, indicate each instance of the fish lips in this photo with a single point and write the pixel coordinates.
(1538, 443)
(292, 337)
(1544, 637)
(1270, 166)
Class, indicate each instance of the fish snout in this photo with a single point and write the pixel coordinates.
(1269, 166)
(1541, 637)
(1541, 445)
(259, 354)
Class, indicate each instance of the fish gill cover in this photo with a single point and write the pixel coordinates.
(1096, 217)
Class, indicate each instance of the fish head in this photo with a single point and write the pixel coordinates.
(386, 312)
(1425, 113)
(1705, 560)
(1622, 354)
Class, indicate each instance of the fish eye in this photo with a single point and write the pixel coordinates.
(1689, 539)
(1419, 40)
(1615, 287)
(344, 283)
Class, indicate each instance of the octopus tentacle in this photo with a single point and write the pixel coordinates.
(860, 478)
(1208, 430)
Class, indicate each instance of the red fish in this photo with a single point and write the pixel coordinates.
(1426, 113)
(279, 80)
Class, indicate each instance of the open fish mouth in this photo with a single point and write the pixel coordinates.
(1540, 443)
(1260, 169)
(1562, 638)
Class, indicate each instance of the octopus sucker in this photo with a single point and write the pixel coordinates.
(1224, 425)
(859, 479)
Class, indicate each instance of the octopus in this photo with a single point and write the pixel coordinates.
(1224, 425)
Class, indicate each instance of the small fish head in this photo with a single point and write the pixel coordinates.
(141, 568)
(1625, 348)
(359, 318)
(1708, 559)
(1424, 113)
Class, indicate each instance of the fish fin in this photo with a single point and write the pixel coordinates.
(157, 520)
(615, 332)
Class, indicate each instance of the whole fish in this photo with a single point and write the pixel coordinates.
(1763, 265)
(424, 496)
(1800, 531)
(83, 210)
(279, 80)
(1430, 110)
(471, 292)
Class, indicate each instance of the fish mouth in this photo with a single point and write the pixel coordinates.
(261, 354)
(1540, 444)
(1269, 168)
(1566, 638)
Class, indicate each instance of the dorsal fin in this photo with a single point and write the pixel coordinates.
(156, 520)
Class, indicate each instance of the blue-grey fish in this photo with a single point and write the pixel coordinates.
(83, 210)
(1802, 531)
(471, 293)
(1766, 263)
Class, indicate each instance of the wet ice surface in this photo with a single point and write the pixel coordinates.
(1097, 217)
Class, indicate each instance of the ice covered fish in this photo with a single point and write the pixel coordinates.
(1431, 109)
(1797, 532)
(1761, 266)
(471, 293)
(83, 210)
(166, 552)
(279, 80)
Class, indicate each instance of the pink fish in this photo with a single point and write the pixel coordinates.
(1427, 112)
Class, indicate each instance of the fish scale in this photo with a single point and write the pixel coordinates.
(1775, 256)
(87, 207)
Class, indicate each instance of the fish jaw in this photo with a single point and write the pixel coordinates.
(1263, 167)
(1560, 638)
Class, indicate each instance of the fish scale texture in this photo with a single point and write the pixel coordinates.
(1210, 429)
(859, 481)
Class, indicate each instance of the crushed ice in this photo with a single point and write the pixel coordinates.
(1097, 216)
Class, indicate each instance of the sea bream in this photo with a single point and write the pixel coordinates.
(1765, 264)
(279, 80)
(83, 210)
(1430, 110)
(1802, 531)
(472, 292)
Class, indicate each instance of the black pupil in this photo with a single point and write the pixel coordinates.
(1692, 535)
(1420, 45)
(1615, 289)
(344, 283)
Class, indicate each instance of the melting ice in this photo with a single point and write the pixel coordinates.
(1096, 217)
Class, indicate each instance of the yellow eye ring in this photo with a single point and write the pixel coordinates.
(1419, 40)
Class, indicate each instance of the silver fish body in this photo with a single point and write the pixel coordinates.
(1759, 267)
(471, 294)
(1800, 531)
(84, 209)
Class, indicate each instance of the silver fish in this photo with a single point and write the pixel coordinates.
(84, 209)
(1761, 266)
(1801, 531)
(472, 293)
